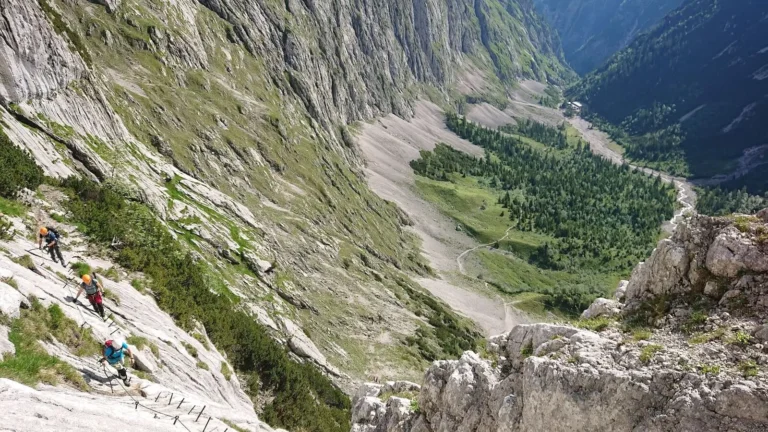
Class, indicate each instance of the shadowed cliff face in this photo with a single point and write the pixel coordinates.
(593, 30)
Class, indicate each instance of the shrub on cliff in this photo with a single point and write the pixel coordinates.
(17, 168)
(186, 288)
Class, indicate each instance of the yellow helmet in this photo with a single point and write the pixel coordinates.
(43, 231)
(87, 278)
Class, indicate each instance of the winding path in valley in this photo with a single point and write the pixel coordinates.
(512, 315)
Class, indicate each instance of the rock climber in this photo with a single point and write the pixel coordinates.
(94, 293)
(114, 354)
(51, 237)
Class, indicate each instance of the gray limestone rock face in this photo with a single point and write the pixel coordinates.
(661, 273)
(6, 346)
(380, 49)
(11, 301)
(733, 252)
(36, 60)
(602, 307)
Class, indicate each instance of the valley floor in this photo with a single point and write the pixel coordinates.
(390, 143)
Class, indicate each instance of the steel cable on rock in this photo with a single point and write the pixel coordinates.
(139, 404)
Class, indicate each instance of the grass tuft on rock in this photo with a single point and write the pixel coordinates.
(597, 324)
(26, 262)
(226, 371)
(748, 368)
(647, 353)
(31, 364)
(140, 342)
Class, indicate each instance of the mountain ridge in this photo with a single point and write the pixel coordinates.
(593, 30)
(688, 93)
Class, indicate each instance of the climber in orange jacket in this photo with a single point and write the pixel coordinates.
(93, 292)
(51, 237)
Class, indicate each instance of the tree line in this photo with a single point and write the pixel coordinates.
(720, 202)
(601, 216)
(547, 135)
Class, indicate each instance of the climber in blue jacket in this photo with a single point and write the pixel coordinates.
(114, 354)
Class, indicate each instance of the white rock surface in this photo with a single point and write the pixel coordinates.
(36, 60)
(621, 290)
(602, 307)
(173, 371)
(11, 301)
(6, 347)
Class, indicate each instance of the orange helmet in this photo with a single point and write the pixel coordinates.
(43, 231)
(87, 278)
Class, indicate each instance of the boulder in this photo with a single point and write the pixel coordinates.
(11, 301)
(367, 414)
(257, 265)
(761, 333)
(145, 361)
(712, 289)
(621, 290)
(733, 252)
(602, 307)
(763, 215)
(6, 346)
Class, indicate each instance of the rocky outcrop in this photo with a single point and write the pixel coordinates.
(602, 307)
(587, 383)
(36, 60)
(680, 360)
(724, 259)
